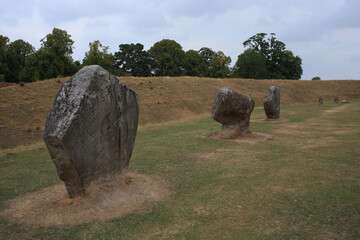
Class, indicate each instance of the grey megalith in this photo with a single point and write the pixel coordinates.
(272, 103)
(233, 110)
(91, 129)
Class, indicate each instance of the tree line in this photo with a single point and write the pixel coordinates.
(264, 58)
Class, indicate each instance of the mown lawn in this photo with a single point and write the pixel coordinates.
(303, 182)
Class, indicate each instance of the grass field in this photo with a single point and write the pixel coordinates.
(302, 182)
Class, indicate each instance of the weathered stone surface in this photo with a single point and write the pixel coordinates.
(336, 99)
(272, 103)
(320, 100)
(233, 110)
(90, 131)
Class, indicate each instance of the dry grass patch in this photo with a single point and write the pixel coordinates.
(105, 199)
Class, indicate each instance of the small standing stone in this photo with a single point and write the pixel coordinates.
(272, 103)
(336, 99)
(90, 131)
(233, 110)
(320, 100)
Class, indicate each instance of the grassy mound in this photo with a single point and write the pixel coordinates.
(23, 110)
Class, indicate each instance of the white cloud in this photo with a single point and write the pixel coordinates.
(323, 33)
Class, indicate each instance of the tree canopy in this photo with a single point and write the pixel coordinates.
(17, 55)
(169, 58)
(219, 66)
(53, 59)
(264, 57)
(251, 64)
(4, 42)
(194, 64)
(267, 58)
(99, 55)
(134, 60)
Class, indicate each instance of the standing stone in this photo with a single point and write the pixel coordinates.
(272, 103)
(320, 100)
(90, 131)
(336, 99)
(233, 110)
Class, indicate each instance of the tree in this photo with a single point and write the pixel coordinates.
(32, 69)
(316, 78)
(215, 64)
(98, 55)
(17, 54)
(58, 42)
(194, 64)
(220, 65)
(169, 58)
(291, 65)
(258, 43)
(250, 64)
(207, 56)
(57, 48)
(4, 44)
(53, 59)
(280, 63)
(133, 59)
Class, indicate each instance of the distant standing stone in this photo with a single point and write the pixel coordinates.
(233, 110)
(336, 99)
(272, 103)
(320, 100)
(90, 131)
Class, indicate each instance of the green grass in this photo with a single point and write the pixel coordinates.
(301, 183)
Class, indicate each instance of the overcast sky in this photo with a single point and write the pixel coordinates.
(324, 33)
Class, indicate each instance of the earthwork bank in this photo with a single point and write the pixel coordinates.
(23, 110)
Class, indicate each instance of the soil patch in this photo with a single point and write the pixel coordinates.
(250, 137)
(106, 199)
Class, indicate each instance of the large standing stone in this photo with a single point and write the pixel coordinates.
(233, 110)
(272, 103)
(320, 100)
(336, 99)
(90, 131)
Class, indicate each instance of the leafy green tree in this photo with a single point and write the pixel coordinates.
(4, 44)
(58, 42)
(316, 78)
(98, 55)
(169, 58)
(17, 54)
(258, 43)
(133, 59)
(250, 64)
(194, 64)
(57, 50)
(280, 63)
(32, 69)
(291, 65)
(215, 64)
(53, 59)
(207, 56)
(220, 65)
